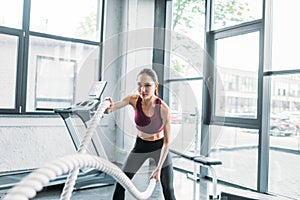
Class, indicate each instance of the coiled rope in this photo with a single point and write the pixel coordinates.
(34, 182)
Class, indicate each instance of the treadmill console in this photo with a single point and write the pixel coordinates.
(93, 100)
(97, 89)
(86, 108)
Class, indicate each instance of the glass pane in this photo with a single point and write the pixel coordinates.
(185, 116)
(11, 12)
(76, 19)
(182, 69)
(187, 40)
(50, 70)
(237, 148)
(59, 73)
(233, 12)
(285, 36)
(8, 70)
(237, 60)
(285, 135)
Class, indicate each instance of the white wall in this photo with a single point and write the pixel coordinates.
(128, 48)
(29, 142)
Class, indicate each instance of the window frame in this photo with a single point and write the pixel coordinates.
(23, 53)
(19, 70)
(208, 114)
(250, 27)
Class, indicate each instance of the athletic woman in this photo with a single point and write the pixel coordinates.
(152, 119)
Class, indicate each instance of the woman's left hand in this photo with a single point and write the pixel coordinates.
(156, 174)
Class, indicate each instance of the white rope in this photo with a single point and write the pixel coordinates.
(35, 181)
(72, 177)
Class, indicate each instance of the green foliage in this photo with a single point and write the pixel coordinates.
(87, 27)
(181, 8)
(224, 11)
(176, 66)
(230, 11)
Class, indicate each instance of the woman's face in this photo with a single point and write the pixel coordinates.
(146, 86)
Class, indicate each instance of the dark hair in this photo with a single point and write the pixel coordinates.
(150, 72)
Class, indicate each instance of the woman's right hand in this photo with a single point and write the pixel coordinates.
(109, 109)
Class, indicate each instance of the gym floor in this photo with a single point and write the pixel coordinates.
(185, 188)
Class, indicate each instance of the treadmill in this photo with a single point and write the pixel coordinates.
(84, 110)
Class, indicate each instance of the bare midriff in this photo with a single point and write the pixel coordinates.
(150, 137)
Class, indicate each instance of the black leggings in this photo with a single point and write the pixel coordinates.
(141, 152)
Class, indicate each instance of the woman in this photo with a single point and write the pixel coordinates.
(152, 118)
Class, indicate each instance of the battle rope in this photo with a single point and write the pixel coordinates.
(35, 181)
(71, 180)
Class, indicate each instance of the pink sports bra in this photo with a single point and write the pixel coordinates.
(150, 125)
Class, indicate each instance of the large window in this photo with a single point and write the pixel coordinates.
(284, 77)
(242, 80)
(237, 60)
(48, 52)
(186, 75)
(8, 70)
(284, 134)
(55, 68)
(236, 100)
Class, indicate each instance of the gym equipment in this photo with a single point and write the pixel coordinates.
(71, 180)
(85, 110)
(229, 196)
(34, 182)
(200, 160)
(206, 162)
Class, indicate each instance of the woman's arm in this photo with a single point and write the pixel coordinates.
(120, 104)
(165, 148)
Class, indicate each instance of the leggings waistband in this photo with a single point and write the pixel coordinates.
(144, 146)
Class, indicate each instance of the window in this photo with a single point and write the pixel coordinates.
(55, 69)
(187, 39)
(62, 42)
(232, 12)
(235, 48)
(237, 148)
(185, 116)
(284, 76)
(284, 135)
(237, 60)
(8, 70)
(285, 34)
(75, 19)
(11, 13)
(55, 82)
(186, 76)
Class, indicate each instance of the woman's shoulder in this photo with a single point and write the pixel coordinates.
(133, 99)
(164, 106)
